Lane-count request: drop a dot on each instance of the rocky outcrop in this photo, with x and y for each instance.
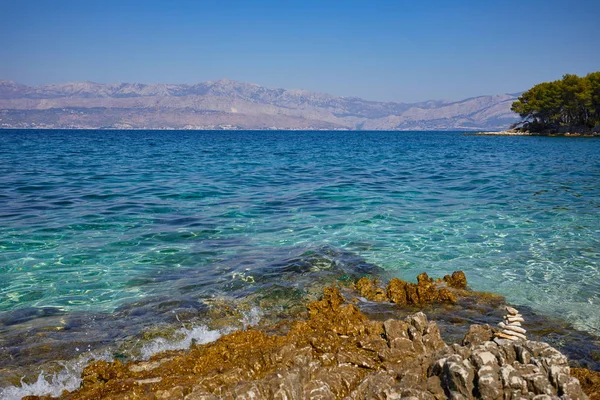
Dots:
(339, 353)
(425, 291)
(503, 369)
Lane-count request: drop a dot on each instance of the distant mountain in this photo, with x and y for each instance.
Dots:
(226, 104)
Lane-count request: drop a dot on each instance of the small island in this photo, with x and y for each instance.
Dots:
(566, 107)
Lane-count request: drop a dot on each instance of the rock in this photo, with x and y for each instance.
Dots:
(483, 358)
(488, 383)
(477, 334)
(147, 365)
(511, 379)
(200, 394)
(369, 288)
(512, 333)
(247, 391)
(396, 291)
(288, 386)
(511, 311)
(148, 381)
(318, 390)
(590, 381)
(424, 292)
(397, 393)
(523, 355)
(559, 377)
(173, 393)
(395, 329)
(434, 386)
(457, 376)
(432, 339)
(373, 386)
(538, 383)
(516, 329)
(419, 321)
(458, 280)
(511, 326)
(504, 335)
(338, 353)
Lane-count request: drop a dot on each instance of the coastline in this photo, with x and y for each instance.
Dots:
(360, 340)
(496, 225)
(516, 132)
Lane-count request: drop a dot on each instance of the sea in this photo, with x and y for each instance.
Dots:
(109, 239)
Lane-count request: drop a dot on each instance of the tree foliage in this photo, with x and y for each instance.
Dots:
(572, 102)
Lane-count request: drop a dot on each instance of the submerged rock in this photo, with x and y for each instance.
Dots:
(336, 352)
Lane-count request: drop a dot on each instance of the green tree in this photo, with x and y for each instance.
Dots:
(593, 81)
(571, 102)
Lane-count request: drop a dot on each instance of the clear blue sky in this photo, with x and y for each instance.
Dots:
(381, 50)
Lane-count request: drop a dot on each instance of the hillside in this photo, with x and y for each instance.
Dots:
(227, 104)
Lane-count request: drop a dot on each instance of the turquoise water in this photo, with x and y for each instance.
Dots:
(92, 222)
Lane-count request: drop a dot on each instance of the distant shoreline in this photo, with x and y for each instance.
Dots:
(514, 132)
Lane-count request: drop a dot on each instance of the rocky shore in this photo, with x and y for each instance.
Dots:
(518, 132)
(334, 351)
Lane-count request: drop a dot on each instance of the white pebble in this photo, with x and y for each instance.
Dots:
(512, 311)
(512, 323)
(512, 333)
(515, 329)
(515, 319)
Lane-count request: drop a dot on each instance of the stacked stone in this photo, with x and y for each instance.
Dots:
(511, 326)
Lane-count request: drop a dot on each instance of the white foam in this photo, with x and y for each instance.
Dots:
(199, 334)
(252, 317)
(68, 378)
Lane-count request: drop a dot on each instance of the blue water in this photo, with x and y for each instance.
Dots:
(91, 221)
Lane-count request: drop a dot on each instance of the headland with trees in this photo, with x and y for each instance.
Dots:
(568, 106)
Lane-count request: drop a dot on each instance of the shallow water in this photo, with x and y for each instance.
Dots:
(136, 227)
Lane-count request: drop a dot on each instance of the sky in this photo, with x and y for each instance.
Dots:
(393, 50)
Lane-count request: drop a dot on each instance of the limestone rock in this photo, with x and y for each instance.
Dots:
(477, 334)
(338, 353)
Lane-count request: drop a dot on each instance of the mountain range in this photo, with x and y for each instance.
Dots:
(227, 104)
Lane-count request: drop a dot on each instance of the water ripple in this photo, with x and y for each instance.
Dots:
(90, 220)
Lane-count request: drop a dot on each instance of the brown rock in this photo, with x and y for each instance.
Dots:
(396, 291)
(589, 380)
(477, 334)
(318, 390)
(200, 394)
(369, 288)
(432, 339)
(340, 379)
(424, 292)
(174, 393)
(457, 376)
(374, 386)
(424, 280)
(434, 386)
(336, 353)
(458, 280)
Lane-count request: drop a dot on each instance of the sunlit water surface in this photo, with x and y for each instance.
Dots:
(94, 221)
